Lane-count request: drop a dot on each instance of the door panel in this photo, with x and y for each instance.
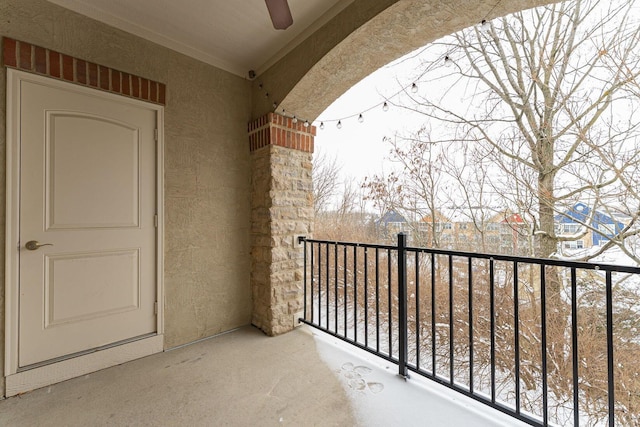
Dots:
(87, 186)
(106, 283)
(109, 160)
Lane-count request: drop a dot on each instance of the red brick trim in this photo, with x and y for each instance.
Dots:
(27, 57)
(274, 129)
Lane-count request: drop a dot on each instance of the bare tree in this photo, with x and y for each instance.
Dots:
(326, 180)
(548, 98)
(540, 112)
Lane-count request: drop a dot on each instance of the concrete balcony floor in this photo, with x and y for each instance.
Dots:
(243, 378)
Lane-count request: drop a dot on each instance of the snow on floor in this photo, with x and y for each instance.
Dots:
(380, 397)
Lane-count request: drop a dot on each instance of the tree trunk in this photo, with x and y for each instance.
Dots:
(547, 240)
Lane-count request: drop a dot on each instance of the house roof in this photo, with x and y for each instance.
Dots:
(580, 212)
(391, 216)
(436, 217)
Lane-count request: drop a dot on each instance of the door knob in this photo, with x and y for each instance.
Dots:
(33, 245)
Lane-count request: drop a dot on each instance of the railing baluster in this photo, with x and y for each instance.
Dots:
(610, 374)
(335, 285)
(516, 333)
(417, 300)
(451, 320)
(328, 281)
(319, 284)
(377, 300)
(543, 332)
(389, 300)
(402, 306)
(433, 314)
(492, 314)
(366, 299)
(312, 282)
(574, 348)
(344, 289)
(355, 293)
(304, 278)
(470, 279)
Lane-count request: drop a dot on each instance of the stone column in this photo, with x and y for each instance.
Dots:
(281, 210)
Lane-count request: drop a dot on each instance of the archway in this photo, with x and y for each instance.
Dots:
(364, 37)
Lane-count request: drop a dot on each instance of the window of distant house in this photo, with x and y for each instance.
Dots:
(606, 228)
(443, 226)
(492, 227)
(571, 228)
(462, 226)
(574, 244)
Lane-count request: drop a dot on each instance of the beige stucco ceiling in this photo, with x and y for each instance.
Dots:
(235, 35)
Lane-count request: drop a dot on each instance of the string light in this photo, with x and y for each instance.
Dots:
(448, 62)
(485, 27)
(359, 116)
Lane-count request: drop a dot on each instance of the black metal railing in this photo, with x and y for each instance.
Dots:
(545, 341)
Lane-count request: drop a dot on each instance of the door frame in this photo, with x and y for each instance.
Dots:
(18, 381)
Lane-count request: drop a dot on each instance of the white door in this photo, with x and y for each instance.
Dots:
(87, 191)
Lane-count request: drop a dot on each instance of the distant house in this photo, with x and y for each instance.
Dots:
(437, 230)
(391, 223)
(571, 223)
(513, 232)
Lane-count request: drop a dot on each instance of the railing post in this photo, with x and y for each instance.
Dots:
(302, 241)
(403, 348)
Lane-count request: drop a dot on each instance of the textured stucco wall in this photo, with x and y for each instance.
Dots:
(207, 166)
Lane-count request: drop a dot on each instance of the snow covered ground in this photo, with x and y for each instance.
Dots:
(381, 398)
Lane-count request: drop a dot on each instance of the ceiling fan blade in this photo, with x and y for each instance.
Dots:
(280, 14)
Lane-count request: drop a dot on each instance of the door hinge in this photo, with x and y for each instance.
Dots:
(155, 220)
(155, 308)
(155, 135)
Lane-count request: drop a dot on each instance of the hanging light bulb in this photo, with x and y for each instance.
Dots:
(414, 88)
(321, 125)
(275, 105)
(360, 118)
(306, 123)
(339, 125)
(448, 62)
(266, 95)
(385, 107)
(295, 119)
(485, 26)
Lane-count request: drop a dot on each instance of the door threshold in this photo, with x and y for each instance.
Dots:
(81, 364)
(84, 352)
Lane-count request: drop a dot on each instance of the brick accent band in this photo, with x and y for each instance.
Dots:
(28, 57)
(275, 129)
